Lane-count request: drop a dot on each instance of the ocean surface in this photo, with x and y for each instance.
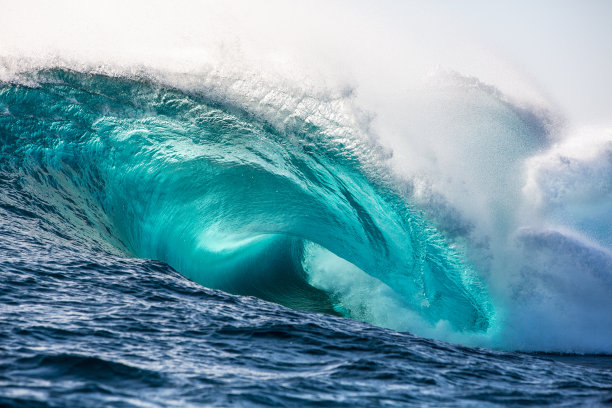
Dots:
(162, 245)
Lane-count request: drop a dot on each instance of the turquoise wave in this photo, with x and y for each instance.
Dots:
(226, 198)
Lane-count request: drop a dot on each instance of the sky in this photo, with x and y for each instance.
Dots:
(560, 50)
(564, 46)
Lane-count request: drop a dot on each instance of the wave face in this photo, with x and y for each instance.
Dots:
(292, 215)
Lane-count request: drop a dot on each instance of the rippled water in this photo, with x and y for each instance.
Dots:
(88, 329)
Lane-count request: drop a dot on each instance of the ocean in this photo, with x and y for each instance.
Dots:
(169, 245)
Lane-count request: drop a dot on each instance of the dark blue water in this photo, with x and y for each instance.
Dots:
(83, 329)
(99, 174)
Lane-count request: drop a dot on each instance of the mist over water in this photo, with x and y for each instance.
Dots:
(461, 161)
